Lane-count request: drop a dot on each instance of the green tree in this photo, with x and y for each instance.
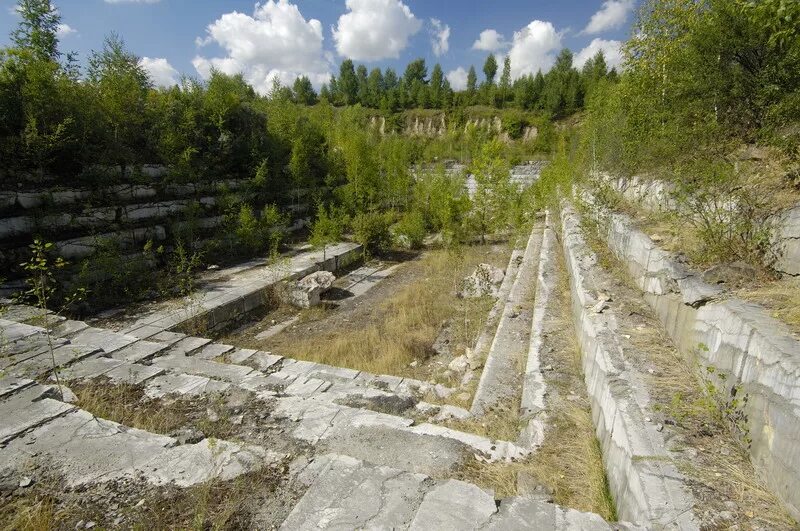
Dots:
(37, 31)
(472, 85)
(494, 191)
(327, 229)
(303, 91)
(437, 87)
(504, 89)
(490, 69)
(348, 82)
(121, 85)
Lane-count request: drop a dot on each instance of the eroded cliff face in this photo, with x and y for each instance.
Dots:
(438, 125)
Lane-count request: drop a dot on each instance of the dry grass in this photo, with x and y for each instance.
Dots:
(404, 327)
(213, 505)
(569, 463)
(703, 421)
(128, 405)
(780, 297)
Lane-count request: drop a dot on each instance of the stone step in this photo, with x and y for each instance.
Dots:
(347, 493)
(532, 402)
(86, 450)
(42, 363)
(25, 410)
(183, 385)
(212, 351)
(201, 367)
(11, 384)
(106, 340)
(386, 439)
(118, 371)
(500, 380)
(12, 331)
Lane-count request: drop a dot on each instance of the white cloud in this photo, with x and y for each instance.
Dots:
(457, 78)
(612, 15)
(533, 48)
(132, 1)
(612, 50)
(374, 29)
(440, 37)
(275, 42)
(65, 30)
(490, 41)
(161, 72)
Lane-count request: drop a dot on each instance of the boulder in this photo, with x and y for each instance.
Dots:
(459, 364)
(306, 292)
(485, 280)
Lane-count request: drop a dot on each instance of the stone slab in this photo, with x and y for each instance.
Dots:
(454, 505)
(346, 493)
(183, 384)
(200, 367)
(12, 384)
(212, 351)
(103, 339)
(23, 411)
(89, 450)
(140, 351)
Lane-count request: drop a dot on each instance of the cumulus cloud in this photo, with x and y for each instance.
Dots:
(276, 42)
(612, 50)
(534, 48)
(161, 72)
(64, 30)
(490, 41)
(440, 37)
(612, 15)
(457, 78)
(372, 30)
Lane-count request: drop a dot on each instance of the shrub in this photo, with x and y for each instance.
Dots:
(410, 231)
(372, 231)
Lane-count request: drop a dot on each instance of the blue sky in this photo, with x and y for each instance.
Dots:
(286, 38)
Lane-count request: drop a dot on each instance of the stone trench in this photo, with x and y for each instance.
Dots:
(360, 450)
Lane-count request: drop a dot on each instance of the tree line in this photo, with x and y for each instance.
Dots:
(560, 92)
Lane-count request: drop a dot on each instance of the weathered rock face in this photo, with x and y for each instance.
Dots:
(485, 280)
(306, 292)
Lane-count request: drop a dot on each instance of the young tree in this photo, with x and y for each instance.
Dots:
(490, 69)
(363, 88)
(348, 82)
(37, 31)
(437, 87)
(327, 229)
(304, 91)
(472, 85)
(122, 85)
(494, 190)
(505, 82)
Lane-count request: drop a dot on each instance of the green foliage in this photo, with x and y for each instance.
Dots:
(371, 229)
(259, 233)
(328, 227)
(110, 276)
(410, 230)
(37, 31)
(493, 194)
(182, 267)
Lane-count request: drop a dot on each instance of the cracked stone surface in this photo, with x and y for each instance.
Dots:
(347, 493)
